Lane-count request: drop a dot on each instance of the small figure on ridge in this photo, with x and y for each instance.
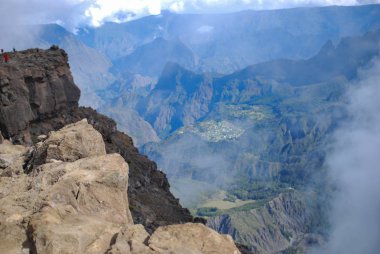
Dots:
(6, 57)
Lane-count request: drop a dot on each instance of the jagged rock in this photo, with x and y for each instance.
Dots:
(16, 206)
(33, 86)
(132, 239)
(39, 97)
(81, 206)
(41, 138)
(64, 207)
(73, 142)
(85, 208)
(191, 238)
(12, 158)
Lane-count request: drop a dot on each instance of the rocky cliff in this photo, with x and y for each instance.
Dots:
(38, 95)
(66, 195)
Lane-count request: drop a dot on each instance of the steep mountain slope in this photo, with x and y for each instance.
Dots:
(221, 43)
(272, 228)
(38, 95)
(185, 97)
(330, 62)
(150, 58)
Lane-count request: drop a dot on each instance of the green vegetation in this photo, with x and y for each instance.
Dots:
(224, 203)
(291, 251)
(257, 190)
(207, 211)
(249, 206)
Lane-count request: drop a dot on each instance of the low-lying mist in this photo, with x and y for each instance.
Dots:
(354, 169)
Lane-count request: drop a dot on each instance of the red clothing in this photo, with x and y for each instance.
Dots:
(6, 57)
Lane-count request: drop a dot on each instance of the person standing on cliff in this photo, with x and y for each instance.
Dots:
(6, 57)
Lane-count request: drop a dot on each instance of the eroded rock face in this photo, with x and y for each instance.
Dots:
(30, 90)
(72, 142)
(80, 204)
(191, 238)
(65, 207)
(132, 239)
(37, 96)
(12, 158)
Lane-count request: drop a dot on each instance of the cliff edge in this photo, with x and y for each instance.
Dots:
(38, 95)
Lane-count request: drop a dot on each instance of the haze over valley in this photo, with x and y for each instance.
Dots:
(264, 121)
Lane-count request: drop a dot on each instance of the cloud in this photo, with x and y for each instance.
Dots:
(109, 10)
(74, 13)
(355, 169)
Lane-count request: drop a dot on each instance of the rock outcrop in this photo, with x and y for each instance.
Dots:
(66, 145)
(191, 238)
(78, 203)
(38, 95)
(36, 84)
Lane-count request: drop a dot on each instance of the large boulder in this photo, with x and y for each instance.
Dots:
(132, 240)
(71, 206)
(191, 238)
(84, 205)
(72, 142)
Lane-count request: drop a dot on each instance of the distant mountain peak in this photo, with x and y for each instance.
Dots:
(327, 48)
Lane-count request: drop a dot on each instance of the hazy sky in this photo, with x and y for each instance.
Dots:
(72, 13)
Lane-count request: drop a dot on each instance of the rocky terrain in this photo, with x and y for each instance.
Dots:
(38, 95)
(67, 195)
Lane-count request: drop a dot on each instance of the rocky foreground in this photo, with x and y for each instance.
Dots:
(67, 195)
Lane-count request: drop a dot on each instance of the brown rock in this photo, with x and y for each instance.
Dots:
(33, 87)
(37, 95)
(72, 142)
(12, 158)
(132, 239)
(16, 206)
(64, 207)
(191, 238)
(82, 207)
(85, 204)
(187, 238)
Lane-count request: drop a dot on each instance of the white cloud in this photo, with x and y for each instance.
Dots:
(109, 10)
(72, 13)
